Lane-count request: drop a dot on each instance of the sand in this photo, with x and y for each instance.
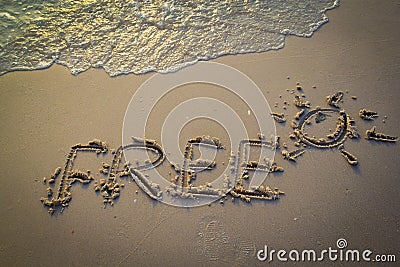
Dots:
(44, 113)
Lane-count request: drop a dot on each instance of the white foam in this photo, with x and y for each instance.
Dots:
(162, 36)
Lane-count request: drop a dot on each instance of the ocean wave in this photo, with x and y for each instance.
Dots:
(141, 36)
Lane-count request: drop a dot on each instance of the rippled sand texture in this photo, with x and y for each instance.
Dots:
(137, 37)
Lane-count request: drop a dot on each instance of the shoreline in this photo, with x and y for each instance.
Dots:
(44, 112)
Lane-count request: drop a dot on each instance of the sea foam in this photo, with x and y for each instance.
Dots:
(137, 37)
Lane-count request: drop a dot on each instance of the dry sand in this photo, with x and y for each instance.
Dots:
(44, 112)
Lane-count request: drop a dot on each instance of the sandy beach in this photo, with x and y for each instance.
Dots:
(45, 112)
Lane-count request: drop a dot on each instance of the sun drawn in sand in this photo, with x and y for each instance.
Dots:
(307, 118)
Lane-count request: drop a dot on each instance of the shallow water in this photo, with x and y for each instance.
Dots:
(137, 37)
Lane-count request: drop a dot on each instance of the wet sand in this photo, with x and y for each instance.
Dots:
(44, 112)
